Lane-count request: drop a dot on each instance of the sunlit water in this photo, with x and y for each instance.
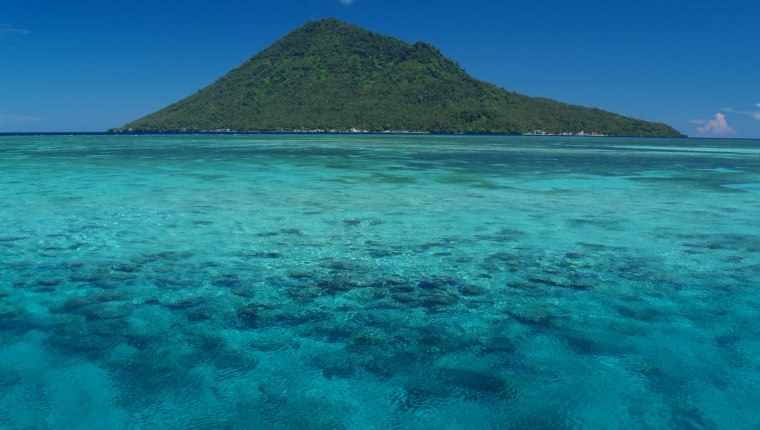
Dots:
(322, 281)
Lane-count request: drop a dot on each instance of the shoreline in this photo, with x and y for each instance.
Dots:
(333, 132)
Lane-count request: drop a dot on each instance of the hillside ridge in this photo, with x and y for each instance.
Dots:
(328, 75)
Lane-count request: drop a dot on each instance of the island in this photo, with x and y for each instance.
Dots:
(332, 76)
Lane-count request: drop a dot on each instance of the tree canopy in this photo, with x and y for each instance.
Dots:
(329, 75)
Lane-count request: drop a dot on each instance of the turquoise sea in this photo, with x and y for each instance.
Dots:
(378, 281)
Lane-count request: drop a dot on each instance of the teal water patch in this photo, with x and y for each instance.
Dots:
(321, 281)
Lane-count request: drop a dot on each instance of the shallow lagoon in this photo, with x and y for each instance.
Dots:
(352, 281)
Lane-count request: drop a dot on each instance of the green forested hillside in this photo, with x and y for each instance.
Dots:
(330, 75)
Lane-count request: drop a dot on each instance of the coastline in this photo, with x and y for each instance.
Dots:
(328, 132)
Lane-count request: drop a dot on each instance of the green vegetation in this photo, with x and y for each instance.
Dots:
(329, 75)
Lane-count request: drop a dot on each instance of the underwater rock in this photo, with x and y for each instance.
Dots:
(544, 280)
(75, 264)
(165, 269)
(499, 345)
(250, 314)
(90, 346)
(93, 308)
(152, 301)
(507, 261)
(430, 285)
(473, 380)
(471, 290)
(110, 296)
(302, 293)
(336, 285)
(10, 322)
(103, 279)
(503, 235)
(110, 327)
(598, 247)
(72, 305)
(7, 312)
(121, 277)
(401, 290)
(734, 259)
(262, 254)
(524, 287)
(403, 287)
(364, 340)
(186, 303)
(165, 256)
(171, 283)
(352, 221)
(579, 343)
(534, 318)
(334, 365)
(207, 343)
(380, 253)
(247, 291)
(238, 361)
(48, 282)
(199, 314)
(339, 266)
(647, 314)
(12, 238)
(299, 274)
(727, 341)
(404, 298)
(558, 283)
(430, 340)
(104, 311)
(125, 267)
(296, 318)
(383, 364)
(152, 373)
(390, 281)
(437, 300)
(501, 256)
(227, 281)
(330, 332)
(215, 350)
(437, 282)
(86, 277)
(377, 293)
(267, 234)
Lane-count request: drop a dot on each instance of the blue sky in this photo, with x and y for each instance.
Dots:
(92, 65)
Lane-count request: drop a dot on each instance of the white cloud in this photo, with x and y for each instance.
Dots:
(9, 29)
(346, 2)
(716, 127)
(755, 115)
(16, 118)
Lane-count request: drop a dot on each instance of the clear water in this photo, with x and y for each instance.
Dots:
(321, 281)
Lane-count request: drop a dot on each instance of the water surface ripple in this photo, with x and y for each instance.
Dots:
(351, 281)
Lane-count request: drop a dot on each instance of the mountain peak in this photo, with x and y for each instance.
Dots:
(327, 22)
(328, 26)
(331, 75)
